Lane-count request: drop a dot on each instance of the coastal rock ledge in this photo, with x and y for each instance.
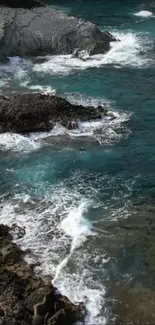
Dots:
(26, 299)
(42, 30)
(38, 112)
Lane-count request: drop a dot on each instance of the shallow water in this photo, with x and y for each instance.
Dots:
(64, 197)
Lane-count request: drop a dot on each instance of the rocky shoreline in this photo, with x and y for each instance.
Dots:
(25, 298)
(37, 112)
(31, 29)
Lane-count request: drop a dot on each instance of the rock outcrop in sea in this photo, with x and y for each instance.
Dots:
(43, 30)
(26, 299)
(39, 112)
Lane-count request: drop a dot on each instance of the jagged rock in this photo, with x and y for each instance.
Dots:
(42, 31)
(37, 112)
(25, 298)
(63, 316)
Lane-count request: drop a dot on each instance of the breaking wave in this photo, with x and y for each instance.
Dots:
(57, 228)
(126, 52)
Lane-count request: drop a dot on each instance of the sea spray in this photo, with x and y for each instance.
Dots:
(79, 229)
(125, 52)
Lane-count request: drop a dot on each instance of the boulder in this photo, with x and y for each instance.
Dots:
(38, 112)
(43, 30)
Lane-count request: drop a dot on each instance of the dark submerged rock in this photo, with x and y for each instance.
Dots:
(38, 112)
(41, 31)
(26, 299)
(131, 246)
(135, 304)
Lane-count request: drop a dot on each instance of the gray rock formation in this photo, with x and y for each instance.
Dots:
(42, 31)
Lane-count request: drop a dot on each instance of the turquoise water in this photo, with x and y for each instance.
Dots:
(66, 197)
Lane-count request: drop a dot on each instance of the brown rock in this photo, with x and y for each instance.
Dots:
(24, 297)
(64, 316)
(38, 112)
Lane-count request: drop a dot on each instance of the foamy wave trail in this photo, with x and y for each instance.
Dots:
(20, 70)
(17, 143)
(85, 100)
(144, 13)
(75, 286)
(57, 228)
(58, 243)
(126, 52)
(38, 88)
(17, 67)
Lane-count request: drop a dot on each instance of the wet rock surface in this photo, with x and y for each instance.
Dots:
(43, 30)
(37, 112)
(26, 299)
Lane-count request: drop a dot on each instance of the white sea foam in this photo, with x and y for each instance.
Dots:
(127, 52)
(60, 235)
(38, 88)
(78, 286)
(144, 13)
(106, 130)
(85, 100)
(16, 66)
(75, 225)
(56, 230)
(17, 142)
(43, 89)
(130, 51)
(21, 70)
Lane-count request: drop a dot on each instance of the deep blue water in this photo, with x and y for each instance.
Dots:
(46, 186)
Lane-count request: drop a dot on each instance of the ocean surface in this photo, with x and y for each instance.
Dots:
(71, 202)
